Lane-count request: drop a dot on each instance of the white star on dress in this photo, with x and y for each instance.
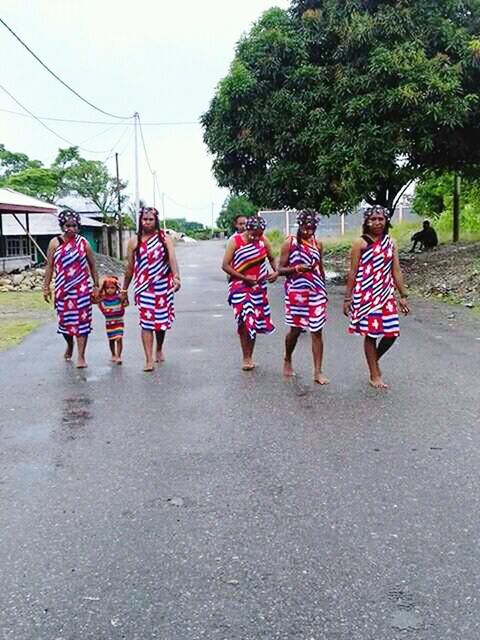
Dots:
(375, 324)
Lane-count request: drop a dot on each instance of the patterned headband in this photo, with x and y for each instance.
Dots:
(376, 209)
(307, 217)
(144, 210)
(68, 214)
(255, 223)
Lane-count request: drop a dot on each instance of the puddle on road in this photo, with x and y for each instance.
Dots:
(76, 414)
(32, 472)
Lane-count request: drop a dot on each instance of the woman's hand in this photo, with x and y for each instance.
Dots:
(303, 268)
(404, 306)
(95, 295)
(177, 283)
(272, 276)
(346, 307)
(250, 282)
(124, 297)
(47, 294)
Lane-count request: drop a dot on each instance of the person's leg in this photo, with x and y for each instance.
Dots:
(147, 342)
(370, 347)
(248, 346)
(111, 344)
(291, 340)
(317, 351)
(160, 337)
(69, 350)
(384, 345)
(119, 344)
(81, 347)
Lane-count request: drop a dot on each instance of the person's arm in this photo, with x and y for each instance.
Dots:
(47, 294)
(227, 265)
(172, 259)
(321, 250)
(283, 268)
(399, 283)
(355, 256)
(127, 278)
(273, 275)
(93, 268)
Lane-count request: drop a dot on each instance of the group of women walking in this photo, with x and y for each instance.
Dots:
(370, 301)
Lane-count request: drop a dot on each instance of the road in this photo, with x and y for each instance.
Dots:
(204, 502)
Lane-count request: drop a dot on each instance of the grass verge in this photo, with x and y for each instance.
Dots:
(21, 312)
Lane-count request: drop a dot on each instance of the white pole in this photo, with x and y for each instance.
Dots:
(154, 177)
(342, 224)
(163, 213)
(287, 222)
(213, 214)
(137, 186)
(400, 212)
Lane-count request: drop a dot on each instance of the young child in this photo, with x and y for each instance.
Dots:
(113, 309)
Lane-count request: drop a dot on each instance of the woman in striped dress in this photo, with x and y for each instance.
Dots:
(370, 302)
(245, 262)
(305, 292)
(153, 266)
(71, 261)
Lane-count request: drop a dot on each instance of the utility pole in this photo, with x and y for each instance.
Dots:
(119, 212)
(154, 178)
(456, 207)
(163, 213)
(137, 186)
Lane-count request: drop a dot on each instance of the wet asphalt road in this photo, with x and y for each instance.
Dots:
(203, 502)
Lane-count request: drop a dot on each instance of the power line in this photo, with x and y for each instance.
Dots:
(185, 206)
(67, 86)
(55, 133)
(144, 145)
(115, 124)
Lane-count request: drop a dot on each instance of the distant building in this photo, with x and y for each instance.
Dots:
(20, 214)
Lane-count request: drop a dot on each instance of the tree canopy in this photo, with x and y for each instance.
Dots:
(234, 205)
(335, 101)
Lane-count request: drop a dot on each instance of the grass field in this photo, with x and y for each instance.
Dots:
(20, 313)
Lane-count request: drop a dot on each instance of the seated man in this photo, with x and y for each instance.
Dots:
(427, 238)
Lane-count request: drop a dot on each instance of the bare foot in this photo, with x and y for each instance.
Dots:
(160, 357)
(81, 363)
(148, 367)
(319, 378)
(114, 359)
(377, 383)
(288, 369)
(248, 365)
(119, 360)
(68, 353)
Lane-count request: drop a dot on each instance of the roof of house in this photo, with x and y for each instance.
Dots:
(15, 202)
(79, 204)
(43, 224)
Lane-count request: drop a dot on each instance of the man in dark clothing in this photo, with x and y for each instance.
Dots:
(427, 238)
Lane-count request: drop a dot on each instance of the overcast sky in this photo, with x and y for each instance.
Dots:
(158, 57)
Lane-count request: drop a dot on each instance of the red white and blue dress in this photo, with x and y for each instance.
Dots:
(153, 284)
(73, 287)
(373, 310)
(305, 293)
(250, 304)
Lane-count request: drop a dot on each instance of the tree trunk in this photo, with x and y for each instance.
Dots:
(456, 207)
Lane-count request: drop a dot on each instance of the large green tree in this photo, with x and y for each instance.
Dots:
(234, 205)
(336, 101)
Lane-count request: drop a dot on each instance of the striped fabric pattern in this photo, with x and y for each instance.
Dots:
(250, 304)
(114, 312)
(305, 293)
(73, 287)
(153, 284)
(373, 311)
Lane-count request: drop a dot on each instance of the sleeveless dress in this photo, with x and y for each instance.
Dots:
(73, 287)
(373, 310)
(305, 293)
(250, 304)
(114, 312)
(153, 284)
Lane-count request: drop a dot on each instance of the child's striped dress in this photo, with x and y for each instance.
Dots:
(114, 313)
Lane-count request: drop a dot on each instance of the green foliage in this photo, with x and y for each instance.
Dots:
(234, 205)
(182, 225)
(337, 101)
(276, 239)
(12, 163)
(38, 182)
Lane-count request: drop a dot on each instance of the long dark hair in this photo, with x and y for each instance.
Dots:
(143, 211)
